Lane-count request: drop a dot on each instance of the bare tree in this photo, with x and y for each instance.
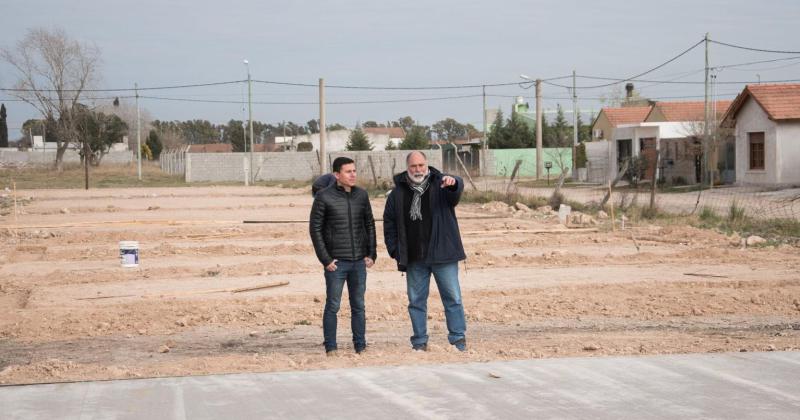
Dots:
(718, 135)
(54, 71)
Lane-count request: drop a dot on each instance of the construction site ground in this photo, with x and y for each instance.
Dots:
(196, 304)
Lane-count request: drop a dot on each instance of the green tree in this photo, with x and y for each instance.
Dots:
(3, 126)
(234, 135)
(358, 141)
(313, 126)
(305, 146)
(517, 133)
(406, 123)
(584, 130)
(449, 129)
(154, 143)
(561, 133)
(99, 132)
(391, 146)
(496, 133)
(200, 132)
(415, 139)
(371, 124)
(336, 127)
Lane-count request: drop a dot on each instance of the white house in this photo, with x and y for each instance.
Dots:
(766, 123)
(673, 129)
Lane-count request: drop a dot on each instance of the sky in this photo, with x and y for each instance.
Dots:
(410, 43)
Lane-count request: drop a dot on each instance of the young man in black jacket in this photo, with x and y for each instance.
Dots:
(342, 230)
(421, 233)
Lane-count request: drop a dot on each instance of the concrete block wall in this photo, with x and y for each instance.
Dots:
(211, 167)
(10, 155)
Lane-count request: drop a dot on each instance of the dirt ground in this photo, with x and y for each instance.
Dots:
(532, 288)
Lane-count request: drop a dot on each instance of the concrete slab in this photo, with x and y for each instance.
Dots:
(707, 386)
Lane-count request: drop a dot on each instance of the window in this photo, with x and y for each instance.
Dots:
(756, 143)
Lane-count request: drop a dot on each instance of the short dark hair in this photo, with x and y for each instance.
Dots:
(408, 156)
(341, 161)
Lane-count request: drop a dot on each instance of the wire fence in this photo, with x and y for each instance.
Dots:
(755, 202)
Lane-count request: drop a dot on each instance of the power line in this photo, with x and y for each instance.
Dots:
(684, 52)
(443, 87)
(124, 89)
(753, 49)
(677, 82)
(725, 66)
(443, 98)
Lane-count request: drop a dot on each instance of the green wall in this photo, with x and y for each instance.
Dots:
(505, 159)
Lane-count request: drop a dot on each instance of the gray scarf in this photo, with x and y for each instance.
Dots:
(419, 189)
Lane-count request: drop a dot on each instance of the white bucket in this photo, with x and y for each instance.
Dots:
(129, 253)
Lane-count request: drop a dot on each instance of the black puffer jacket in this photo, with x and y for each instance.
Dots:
(341, 225)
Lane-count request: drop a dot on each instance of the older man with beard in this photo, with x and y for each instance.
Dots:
(421, 233)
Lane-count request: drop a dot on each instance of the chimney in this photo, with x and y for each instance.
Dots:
(628, 91)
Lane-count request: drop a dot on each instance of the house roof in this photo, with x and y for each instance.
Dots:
(779, 101)
(687, 111)
(392, 132)
(626, 114)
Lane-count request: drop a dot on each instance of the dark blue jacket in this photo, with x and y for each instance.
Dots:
(324, 181)
(445, 240)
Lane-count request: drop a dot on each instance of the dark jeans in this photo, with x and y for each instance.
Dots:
(354, 273)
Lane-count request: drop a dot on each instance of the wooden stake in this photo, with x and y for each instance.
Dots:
(14, 183)
(372, 166)
(611, 203)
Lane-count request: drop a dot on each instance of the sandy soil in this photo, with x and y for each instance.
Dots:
(532, 289)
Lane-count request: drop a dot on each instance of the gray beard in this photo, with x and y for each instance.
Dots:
(418, 179)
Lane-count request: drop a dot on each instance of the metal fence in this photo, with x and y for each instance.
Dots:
(173, 161)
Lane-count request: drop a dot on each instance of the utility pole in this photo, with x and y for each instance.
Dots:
(485, 154)
(574, 127)
(250, 120)
(705, 177)
(323, 158)
(138, 135)
(539, 166)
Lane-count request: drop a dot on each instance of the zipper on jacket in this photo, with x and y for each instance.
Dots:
(350, 225)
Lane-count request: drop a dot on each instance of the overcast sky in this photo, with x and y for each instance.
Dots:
(403, 43)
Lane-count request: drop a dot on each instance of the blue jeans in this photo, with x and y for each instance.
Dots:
(354, 273)
(418, 285)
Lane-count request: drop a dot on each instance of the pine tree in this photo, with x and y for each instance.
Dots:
(358, 141)
(415, 139)
(3, 126)
(495, 137)
(154, 143)
(561, 131)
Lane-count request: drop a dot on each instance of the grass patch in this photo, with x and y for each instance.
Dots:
(542, 183)
(776, 231)
(482, 197)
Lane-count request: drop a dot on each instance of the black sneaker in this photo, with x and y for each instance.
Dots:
(361, 350)
(461, 345)
(420, 347)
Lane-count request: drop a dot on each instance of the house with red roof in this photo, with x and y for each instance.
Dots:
(665, 137)
(765, 119)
